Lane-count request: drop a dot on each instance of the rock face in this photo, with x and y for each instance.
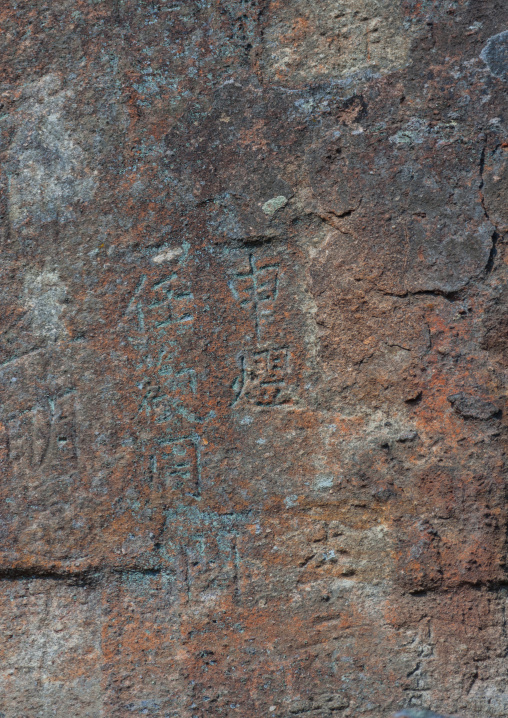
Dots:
(253, 358)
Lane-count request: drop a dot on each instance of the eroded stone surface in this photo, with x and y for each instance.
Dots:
(253, 359)
(307, 42)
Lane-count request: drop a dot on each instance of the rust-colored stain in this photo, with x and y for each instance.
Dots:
(253, 346)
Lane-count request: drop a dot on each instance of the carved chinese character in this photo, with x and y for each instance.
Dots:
(263, 377)
(177, 465)
(44, 437)
(166, 303)
(171, 303)
(256, 287)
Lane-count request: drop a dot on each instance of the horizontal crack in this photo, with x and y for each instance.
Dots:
(451, 296)
(85, 577)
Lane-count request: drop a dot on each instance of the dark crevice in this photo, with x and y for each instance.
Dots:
(256, 240)
(495, 236)
(87, 577)
(348, 212)
(452, 296)
(482, 164)
(444, 590)
(493, 253)
(262, 11)
(331, 217)
(305, 561)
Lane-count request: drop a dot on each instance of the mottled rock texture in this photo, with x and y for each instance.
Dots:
(253, 358)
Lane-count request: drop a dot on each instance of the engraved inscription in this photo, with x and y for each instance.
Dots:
(171, 303)
(159, 313)
(44, 437)
(167, 302)
(211, 565)
(160, 320)
(263, 377)
(165, 401)
(178, 466)
(256, 287)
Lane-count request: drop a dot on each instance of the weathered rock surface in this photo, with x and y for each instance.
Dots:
(253, 358)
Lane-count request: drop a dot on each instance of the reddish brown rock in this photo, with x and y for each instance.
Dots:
(253, 358)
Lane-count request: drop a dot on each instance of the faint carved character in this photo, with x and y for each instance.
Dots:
(154, 308)
(256, 288)
(240, 383)
(178, 465)
(269, 373)
(44, 437)
(172, 303)
(165, 365)
(182, 381)
(157, 405)
(263, 377)
(211, 563)
(134, 309)
(167, 303)
(185, 381)
(166, 400)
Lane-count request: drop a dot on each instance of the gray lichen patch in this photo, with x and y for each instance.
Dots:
(168, 255)
(44, 294)
(495, 187)
(305, 41)
(495, 55)
(274, 204)
(46, 165)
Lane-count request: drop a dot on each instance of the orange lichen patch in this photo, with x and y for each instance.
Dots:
(300, 27)
(253, 137)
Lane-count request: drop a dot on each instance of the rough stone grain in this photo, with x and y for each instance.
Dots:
(253, 358)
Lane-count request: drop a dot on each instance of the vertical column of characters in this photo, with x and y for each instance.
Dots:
(264, 367)
(162, 316)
